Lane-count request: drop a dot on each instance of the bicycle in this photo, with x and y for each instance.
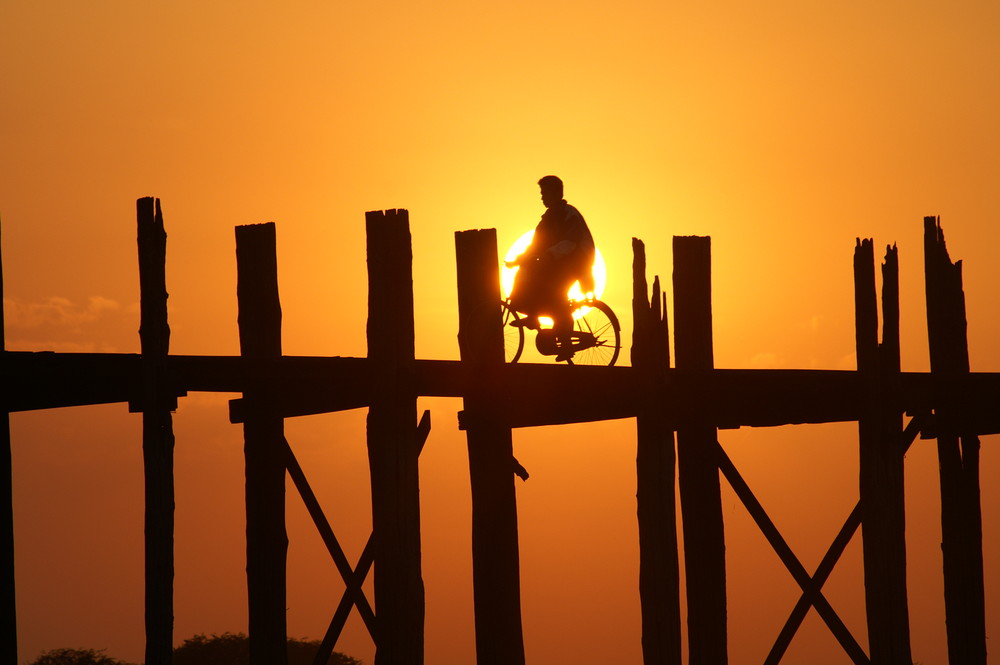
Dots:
(595, 340)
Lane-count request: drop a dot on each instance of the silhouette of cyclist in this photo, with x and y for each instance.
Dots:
(560, 254)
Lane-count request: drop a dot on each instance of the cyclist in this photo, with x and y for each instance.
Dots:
(560, 254)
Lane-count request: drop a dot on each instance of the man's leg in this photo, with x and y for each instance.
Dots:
(562, 317)
(523, 295)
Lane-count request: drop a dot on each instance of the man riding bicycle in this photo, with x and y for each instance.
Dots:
(560, 254)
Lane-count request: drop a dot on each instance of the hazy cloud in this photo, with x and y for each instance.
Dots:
(763, 360)
(96, 325)
(59, 346)
(812, 324)
(56, 311)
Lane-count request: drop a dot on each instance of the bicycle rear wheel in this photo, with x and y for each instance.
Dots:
(597, 336)
(513, 336)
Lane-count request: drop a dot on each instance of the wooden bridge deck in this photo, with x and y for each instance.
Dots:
(525, 395)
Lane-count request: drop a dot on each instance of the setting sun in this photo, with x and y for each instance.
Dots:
(599, 271)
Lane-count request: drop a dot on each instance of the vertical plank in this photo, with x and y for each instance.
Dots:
(263, 435)
(8, 604)
(655, 462)
(892, 448)
(958, 455)
(866, 350)
(157, 432)
(392, 442)
(881, 448)
(495, 563)
(698, 472)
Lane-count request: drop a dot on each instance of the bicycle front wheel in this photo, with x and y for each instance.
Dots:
(598, 336)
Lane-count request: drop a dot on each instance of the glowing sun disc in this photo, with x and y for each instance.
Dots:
(575, 293)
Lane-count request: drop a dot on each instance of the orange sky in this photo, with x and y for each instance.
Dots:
(782, 130)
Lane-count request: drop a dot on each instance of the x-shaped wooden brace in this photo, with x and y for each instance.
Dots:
(812, 595)
(353, 596)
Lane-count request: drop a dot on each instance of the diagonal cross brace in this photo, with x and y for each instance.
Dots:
(353, 577)
(787, 557)
(329, 538)
(830, 559)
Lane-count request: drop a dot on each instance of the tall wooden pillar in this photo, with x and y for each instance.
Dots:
(655, 462)
(8, 604)
(157, 401)
(958, 455)
(495, 564)
(881, 448)
(698, 470)
(393, 445)
(263, 435)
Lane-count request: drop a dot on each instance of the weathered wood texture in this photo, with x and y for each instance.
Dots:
(157, 401)
(392, 442)
(263, 435)
(655, 463)
(495, 564)
(880, 431)
(958, 454)
(8, 604)
(698, 472)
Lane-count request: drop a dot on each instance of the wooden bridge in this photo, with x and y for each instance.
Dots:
(678, 406)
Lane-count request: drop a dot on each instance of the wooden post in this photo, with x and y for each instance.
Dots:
(392, 442)
(655, 462)
(958, 455)
(157, 432)
(881, 448)
(8, 604)
(698, 472)
(263, 435)
(495, 565)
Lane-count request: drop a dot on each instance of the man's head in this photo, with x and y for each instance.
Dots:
(552, 190)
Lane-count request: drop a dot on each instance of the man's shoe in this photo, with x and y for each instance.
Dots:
(563, 355)
(529, 322)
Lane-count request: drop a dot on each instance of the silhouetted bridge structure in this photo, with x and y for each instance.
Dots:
(689, 401)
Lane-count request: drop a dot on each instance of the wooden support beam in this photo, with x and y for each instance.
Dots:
(353, 593)
(880, 428)
(47, 380)
(495, 560)
(157, 401)
(360, 572)
(263, 434)
(825, 568)
(655, 463)
(308, 385)
(701, 500)
(958, 455)
(792, 563)
(534, 395)
(392, 443)
(8, 604)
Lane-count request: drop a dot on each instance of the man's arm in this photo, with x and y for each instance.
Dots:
(532, 251)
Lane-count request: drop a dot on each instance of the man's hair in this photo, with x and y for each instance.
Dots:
(552, 183)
